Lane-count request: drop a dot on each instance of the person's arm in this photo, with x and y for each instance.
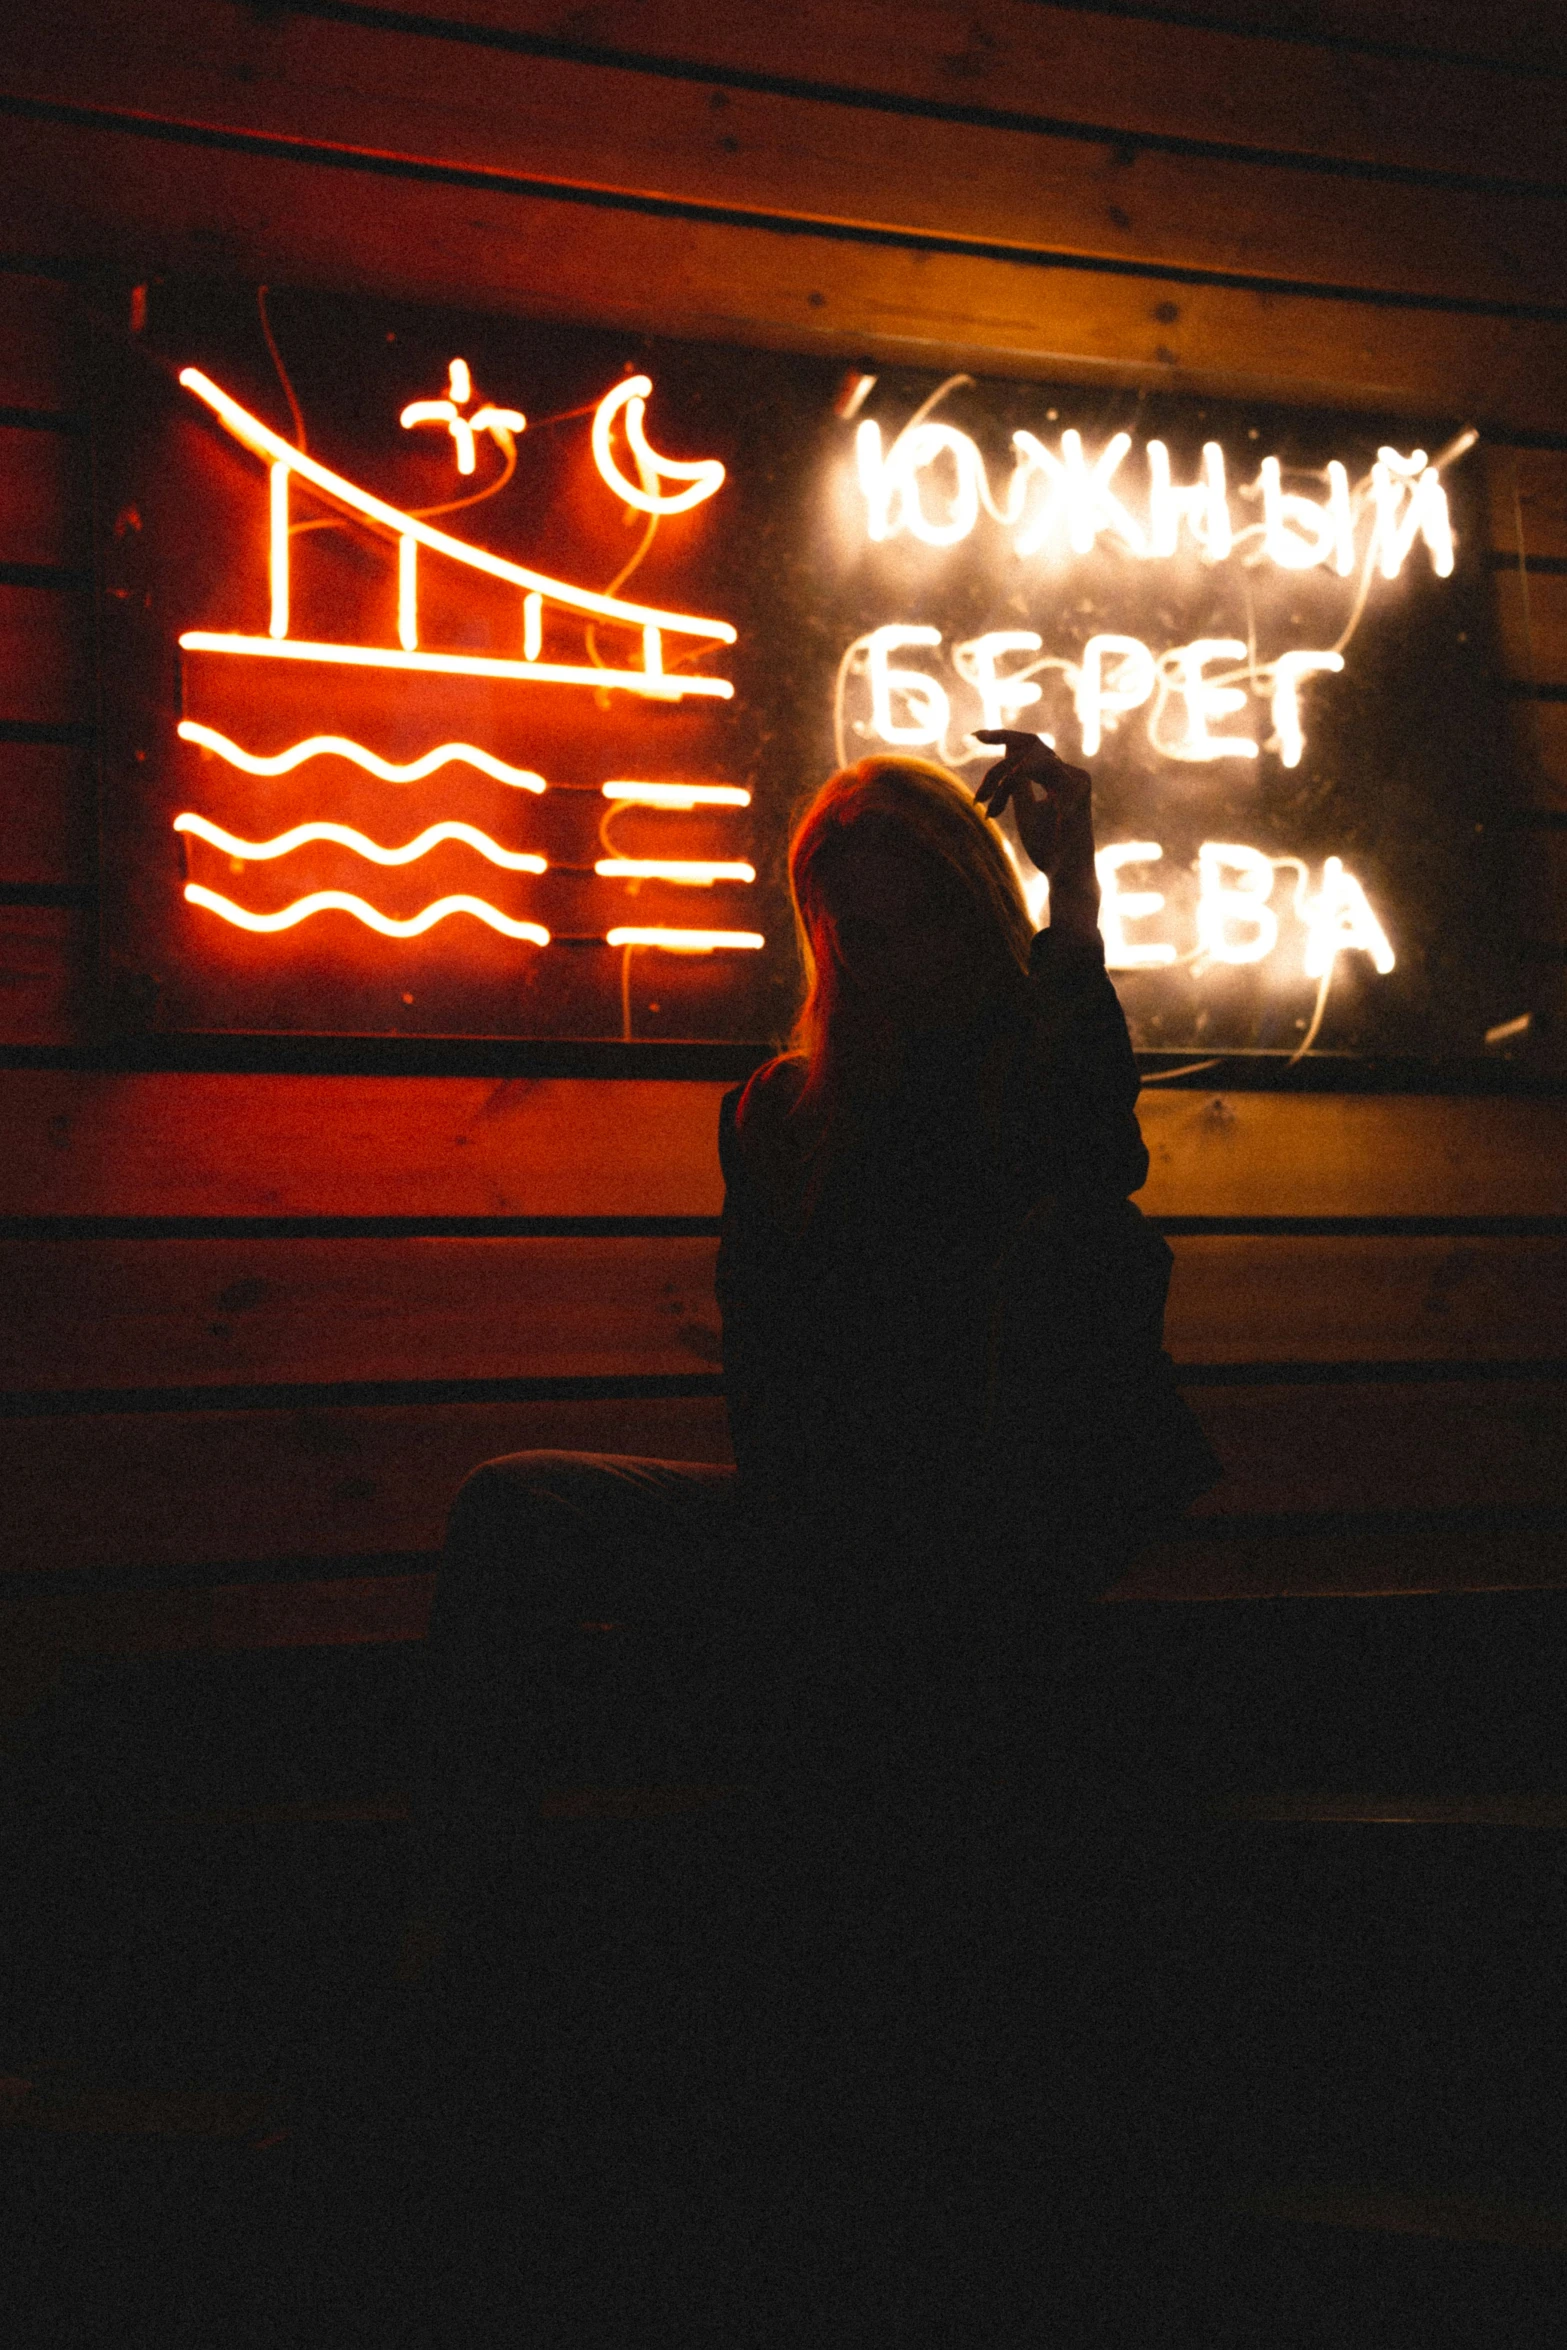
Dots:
(1084, 1079)
(1052, 805)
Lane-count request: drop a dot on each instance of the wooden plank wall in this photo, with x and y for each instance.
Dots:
(257, 1327)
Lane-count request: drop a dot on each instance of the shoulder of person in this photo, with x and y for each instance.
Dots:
(753, 1117)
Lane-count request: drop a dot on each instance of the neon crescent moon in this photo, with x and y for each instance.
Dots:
(704, 475)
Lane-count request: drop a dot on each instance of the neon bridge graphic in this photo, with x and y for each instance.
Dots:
(415, 538)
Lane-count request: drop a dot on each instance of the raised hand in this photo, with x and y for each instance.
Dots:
(1052, 806)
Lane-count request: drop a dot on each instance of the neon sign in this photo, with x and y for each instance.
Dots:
(1062, 498)
(1186, 721)
(701, 479)
(502, 424)
(533, 776)
(286, 464)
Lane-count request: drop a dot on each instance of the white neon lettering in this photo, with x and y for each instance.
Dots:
(1299, 532)
(1117, 907)
(1203, 506)
(1091, 505)
(258, 851)
(337, 746)
(327, 901)
(658, 687)
(1340, 916)
(1410, 503)
(1001, 698)
(1205, 700)
(699, 874)
(1288, 670)
(1242, 901)
(928, 706)
(702, 477)
(277, 547)
(1098, 700)
(897, 476)
(678, 795)
(685, 942)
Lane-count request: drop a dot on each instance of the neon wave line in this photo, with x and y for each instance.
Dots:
(685, 942)
(698, 873)
(654, 683)
(256, 851)
(338, 746)
(678, 795)
(324, 901)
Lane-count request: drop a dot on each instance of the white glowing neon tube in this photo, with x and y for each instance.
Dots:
(271, 446)
(685, 942)
(1001, 697)
(1206, 699)
(695, 871)
(1203, 506)
(678, 795)
(338, 746)
(1410, 503)
(1288, 670)
(258, 851)
(1096, 700)
(929, 709)
(1118, 906)
(1234, 885)
(658, 687)
(326, 901)
(1340, 916)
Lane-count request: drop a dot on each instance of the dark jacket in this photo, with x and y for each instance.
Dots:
(963, 1340)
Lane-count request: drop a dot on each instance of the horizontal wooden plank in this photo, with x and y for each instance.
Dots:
(145, 204)
(1358, 1563)
(1542, 897)
(37, 343)
(351, 1610)
(286, 1146)
(45, 672)
(155, 1491)
(44, 960)
(182, 1313)
(1516, 32)
(168, 1491)
(1531, 609)
(42, 497)
(1539, 737)
(1385, 1446)
(47, 813)
(93, 1145)
(1182, 80)
(1261, 1154)
(340, 1612)
(1286, 1299)
(604, 128)
(1526, 496)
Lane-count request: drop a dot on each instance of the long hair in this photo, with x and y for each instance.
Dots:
(921, 809)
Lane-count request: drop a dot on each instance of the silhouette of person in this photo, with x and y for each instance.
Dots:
(953, 1420)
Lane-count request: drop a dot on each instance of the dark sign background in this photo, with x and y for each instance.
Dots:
(1402, 776)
